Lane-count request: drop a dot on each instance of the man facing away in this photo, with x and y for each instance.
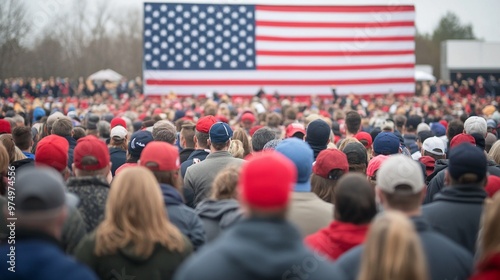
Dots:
(265, 245)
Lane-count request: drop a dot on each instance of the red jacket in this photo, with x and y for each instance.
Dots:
(488, 269)
(429, 163)
(337, 238)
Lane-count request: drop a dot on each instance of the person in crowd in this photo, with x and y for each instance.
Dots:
(261, 137)
(454, 128)
(273, 121)
(347, 141)
(373, 167)
(63, 127)
(264, 245)
(41, 211)
(296, 130)
(236, 149)
(357, 157)
(91, 125)
(494, 153)
(355, 207)
(489, 141)
(488, 260)
(410, 133)
(400, 123)
(366, 139)
(199, 177)
(393, 250)
(118, 147)
(137, 142)
(163, 160)
(221, 209)
(456, 210)
(202, 147)
(186, 139)
(91, 167)
(136, 240)
(433, 149)
(307, 211)
(5, 127)
(318, 136)
(78, 132)
(164, 131)
(330, 166)
(104, 130)
(24, 141)
(117, 121)
(352, 123)
(8, 142)
(247, 121)
(421, 137)
(386, 143)
(242, 136)
(401, 187)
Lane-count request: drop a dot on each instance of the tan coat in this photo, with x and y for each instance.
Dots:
(309, 213)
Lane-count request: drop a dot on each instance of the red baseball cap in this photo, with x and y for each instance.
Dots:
(444, 123)
(52, 151)
(254, 129)
(118, 121)
(94, 147)
(164, 155)
(203, 125)
(5, 126)
(493, 185)
(329, 160)
(293, 128)
(266, 180)
(248, 117)
(375, 164)
(462, 138)
(366, 137)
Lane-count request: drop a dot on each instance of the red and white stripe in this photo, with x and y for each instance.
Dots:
(303, 50)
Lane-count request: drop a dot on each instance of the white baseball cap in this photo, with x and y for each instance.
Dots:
(475, 124)
(434, 145)
(119, 131)
(400, 170)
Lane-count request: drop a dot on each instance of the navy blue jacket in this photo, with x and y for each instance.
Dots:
(182, 216)
(117, 157)
(72, 145)
(456, 213)
(445, 259)
(410, 141)
(195, 157)
(258, 249)
(39, 256)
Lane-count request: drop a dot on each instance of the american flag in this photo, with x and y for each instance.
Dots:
(294, 50)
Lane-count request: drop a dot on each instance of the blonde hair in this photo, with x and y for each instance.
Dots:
(494, 153)
(489, 239)
(240, 134)
(4, 159)
(236, 149)
(224, 185)
(135, 214)
(10, 146)
(347, 141)
(19, 154)
(393, 250)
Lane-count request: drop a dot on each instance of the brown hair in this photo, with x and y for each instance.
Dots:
(22, 137)
(225, 183)
(240, 134)
(135, 214)
(494, 153)
(393, 250)
(10, 146)
(352, 122)
(325, 188)
(489, 239)
(117, 142)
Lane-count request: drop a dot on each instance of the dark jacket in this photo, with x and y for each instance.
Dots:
(217, 215)
(456, 213)
(72, 145)
(195, 157)
(445, 259)
(182, 216)
(38, 256)
(93, 193)
(117, 157)
(257, 249)
(436, 183)
(125, 264)
(410, 141)
(185, 153)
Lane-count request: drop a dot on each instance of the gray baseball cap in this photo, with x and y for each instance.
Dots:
(41, 189)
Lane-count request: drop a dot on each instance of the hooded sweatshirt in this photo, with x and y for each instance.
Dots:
(429, 163)
(217, 215)
(257, 248)
(182, 216)
(337, 238)
(126, 264)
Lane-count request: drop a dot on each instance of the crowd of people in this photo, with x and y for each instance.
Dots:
(105, 183)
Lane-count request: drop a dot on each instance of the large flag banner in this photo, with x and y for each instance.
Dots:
(292, 50)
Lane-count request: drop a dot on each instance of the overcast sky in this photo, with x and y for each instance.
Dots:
(483, 14)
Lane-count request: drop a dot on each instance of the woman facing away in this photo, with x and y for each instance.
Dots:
(393, 250)
(135, 239)
(488, 265)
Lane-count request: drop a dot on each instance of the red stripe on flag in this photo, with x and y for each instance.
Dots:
(336, 9)
(278, 82)
(334, 24)
(333, 39)
(332, 53)
(338, 67)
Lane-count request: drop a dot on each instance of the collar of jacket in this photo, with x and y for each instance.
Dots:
(170, 195)
(469, 193)
(219, 154)
(410, 136)
(198, 152)
(87, 181)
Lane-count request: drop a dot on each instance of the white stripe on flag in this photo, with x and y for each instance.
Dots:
(335, 60)
(362, 45)
(362, 33)
(380, 17)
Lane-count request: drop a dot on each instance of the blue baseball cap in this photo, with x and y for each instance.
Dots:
(220, 132)
(438, 129)
(138, 142)
(386, 143)
(467, 158)
(302, 156)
